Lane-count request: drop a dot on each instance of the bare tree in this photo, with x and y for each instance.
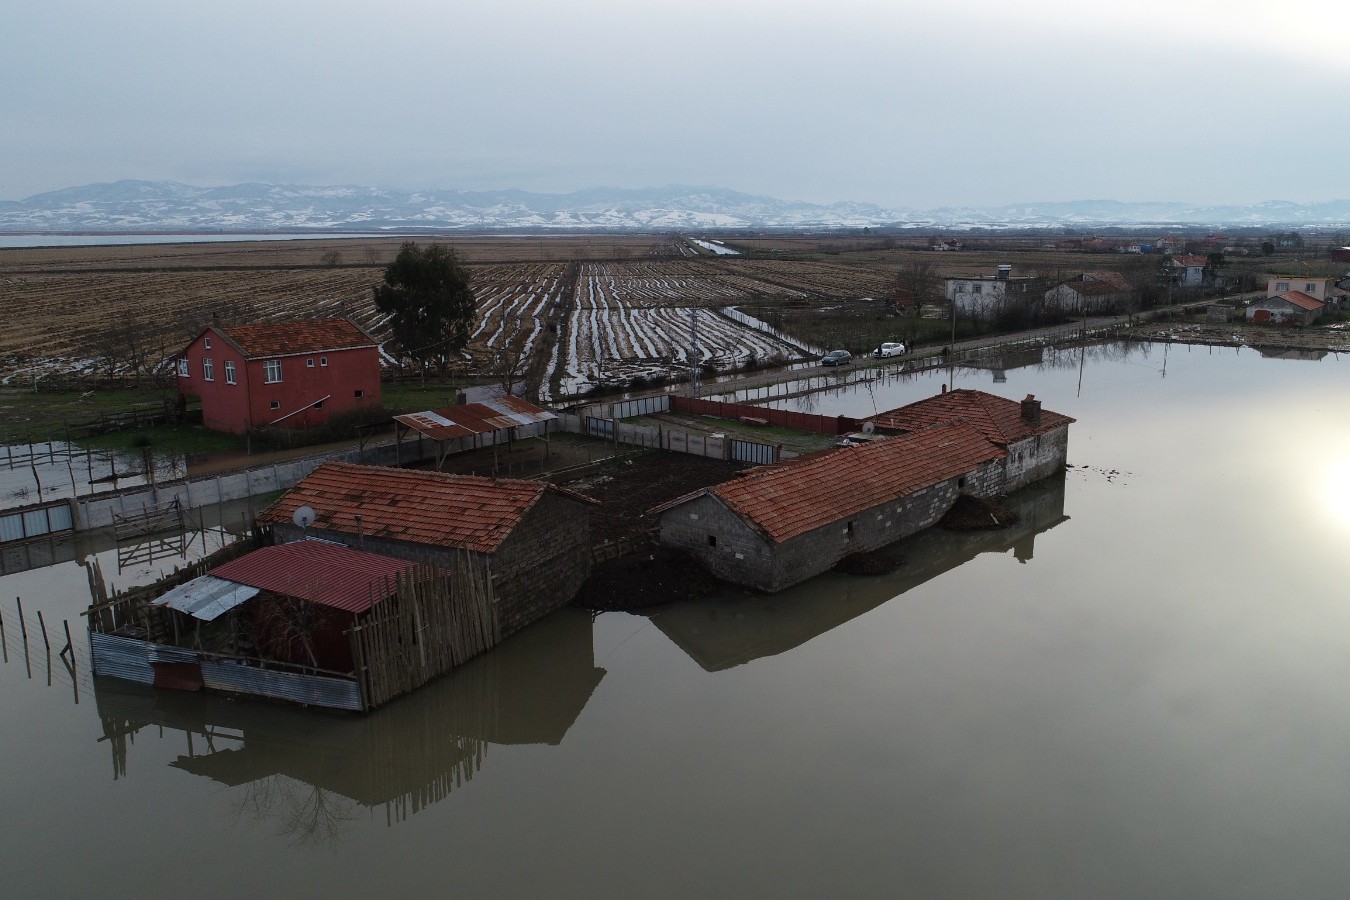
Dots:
(511, 359)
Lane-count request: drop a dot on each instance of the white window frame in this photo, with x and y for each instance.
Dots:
(206, 343)
(229, 371)
(323, 362)
(309, 363)
(184, 368)
(208, 369)
(272, 371)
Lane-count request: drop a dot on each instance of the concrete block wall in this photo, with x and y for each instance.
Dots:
(542, 565)
(740, 555)
(1035, 458)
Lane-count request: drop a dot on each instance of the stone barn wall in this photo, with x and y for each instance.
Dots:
(1037, 457)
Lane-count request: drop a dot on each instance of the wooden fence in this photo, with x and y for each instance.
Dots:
(434, 621)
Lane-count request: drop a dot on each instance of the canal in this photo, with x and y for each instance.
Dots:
(1138, 691)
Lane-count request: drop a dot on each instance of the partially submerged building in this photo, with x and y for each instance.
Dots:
(780, 524)
(376, 581)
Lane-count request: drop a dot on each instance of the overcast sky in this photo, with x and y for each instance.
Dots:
(899, 103)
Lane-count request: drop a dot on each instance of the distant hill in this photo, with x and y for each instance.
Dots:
(170, 206)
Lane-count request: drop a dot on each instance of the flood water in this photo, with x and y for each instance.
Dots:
(1137, 692)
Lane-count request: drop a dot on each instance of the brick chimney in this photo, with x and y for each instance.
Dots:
(1031, 410)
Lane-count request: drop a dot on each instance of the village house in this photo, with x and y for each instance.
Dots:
(290, 374)
(533, 536)
(1187, 271)
(1321, 289)
(781, 524)
(983, 295)
(1087, 297)
(1289, 308)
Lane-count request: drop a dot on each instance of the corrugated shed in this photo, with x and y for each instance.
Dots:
(291, 338)
(206, 598)
(314, 690)
(435, 508)
(469, 419)
(997, 418)
(784, 501)
(317, 571)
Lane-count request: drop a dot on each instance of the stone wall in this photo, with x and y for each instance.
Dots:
(1035, 458)
(727, 546)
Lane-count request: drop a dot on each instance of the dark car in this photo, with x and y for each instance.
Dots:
(836, 358)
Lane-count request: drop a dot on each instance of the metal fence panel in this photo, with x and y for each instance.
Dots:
(753, 452)
(314, 690)
(121, 657)
(599, 427)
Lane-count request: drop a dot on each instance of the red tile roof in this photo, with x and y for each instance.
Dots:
(317, 571)
(290, 338)
(419, 507)
(1190, 261)
(784, 501)
(1301, 300)
(997, 418)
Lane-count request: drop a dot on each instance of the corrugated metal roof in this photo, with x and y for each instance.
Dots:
(206, 598)
(318, 571)
(468, 419)
(419, 507)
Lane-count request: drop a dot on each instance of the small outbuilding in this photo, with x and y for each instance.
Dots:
(290, 374)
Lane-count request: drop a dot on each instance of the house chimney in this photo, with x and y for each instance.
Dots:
(1031, 410)
(1004, 271)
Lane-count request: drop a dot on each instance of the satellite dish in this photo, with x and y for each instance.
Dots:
(304, 516)
(868, 427)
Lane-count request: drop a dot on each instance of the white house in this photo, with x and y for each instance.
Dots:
(1316, 288)
(983, 295)
(1188, 271)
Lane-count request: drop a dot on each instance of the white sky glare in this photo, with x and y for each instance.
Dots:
(904, 104)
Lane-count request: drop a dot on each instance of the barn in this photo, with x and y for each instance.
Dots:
(287, 374)
(534, 537)
(781, 524)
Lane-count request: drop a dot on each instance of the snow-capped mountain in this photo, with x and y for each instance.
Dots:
(169, 206)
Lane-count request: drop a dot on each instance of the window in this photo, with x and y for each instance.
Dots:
(360, 393)
(275, 404)
(318, 404)
(206, 342)
(183, 368)
(712, 540)
(309, 363)
(229, 371)
(323, 361)
(1310, 289)
(1281, 286)
(208, 369)
(272, 371)
(977, 289)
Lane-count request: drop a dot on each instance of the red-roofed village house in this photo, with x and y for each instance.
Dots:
(290, 374)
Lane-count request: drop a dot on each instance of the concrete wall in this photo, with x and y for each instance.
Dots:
(1035, 458)
(97, 511)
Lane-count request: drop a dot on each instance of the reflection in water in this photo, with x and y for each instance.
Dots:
(728, 631)
(311, 770)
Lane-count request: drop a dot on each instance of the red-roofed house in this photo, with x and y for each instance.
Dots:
(1289, 308)
(1188, 271)
(781, 524)
(291, 374)
(534, 536)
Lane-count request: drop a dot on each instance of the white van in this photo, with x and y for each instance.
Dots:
(889, 349)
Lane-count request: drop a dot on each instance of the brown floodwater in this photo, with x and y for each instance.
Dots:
(1138, 691)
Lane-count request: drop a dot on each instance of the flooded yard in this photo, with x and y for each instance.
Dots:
(1137, 691)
